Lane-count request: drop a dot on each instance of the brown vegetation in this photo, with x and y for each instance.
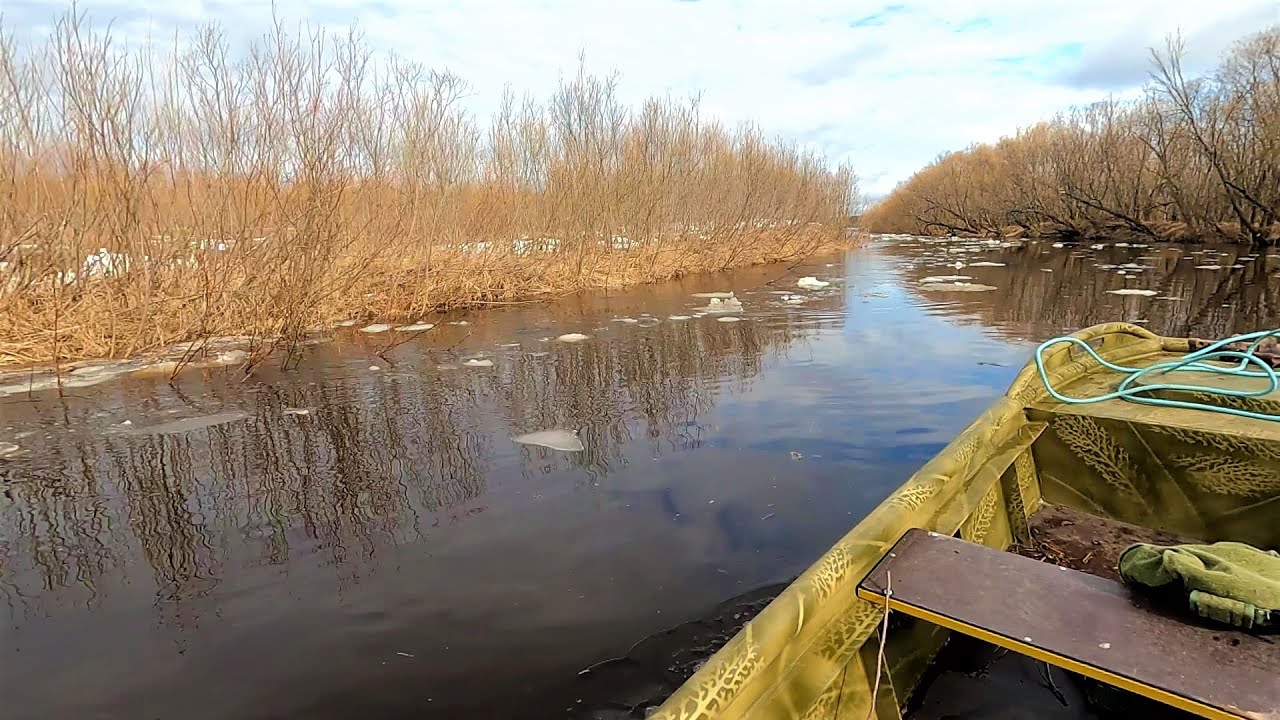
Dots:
(1194, 158)
(150, 197)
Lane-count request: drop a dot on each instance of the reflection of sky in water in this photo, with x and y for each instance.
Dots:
(277, 564)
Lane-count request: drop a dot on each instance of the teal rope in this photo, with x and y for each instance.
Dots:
(1195, 362)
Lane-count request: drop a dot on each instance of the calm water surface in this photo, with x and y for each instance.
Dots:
(392, 552)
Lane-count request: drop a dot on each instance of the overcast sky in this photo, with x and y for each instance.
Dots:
(886, 85)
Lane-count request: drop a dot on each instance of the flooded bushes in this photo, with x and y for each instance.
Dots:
(152, 196)
(1193, 158)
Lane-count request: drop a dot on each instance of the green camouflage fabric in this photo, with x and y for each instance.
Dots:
(812, 653)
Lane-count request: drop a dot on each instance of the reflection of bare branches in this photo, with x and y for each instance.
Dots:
(375, 459)
(1207, 303)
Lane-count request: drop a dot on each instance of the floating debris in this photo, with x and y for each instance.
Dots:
(572, 337)
(795, 455)
(566, 440)
(478, 363)
(1133, 291)
(415, 327)
(375, 328)
(811, 283)
(986, 263)
(717, 295)
(728, 318)
(957, 287)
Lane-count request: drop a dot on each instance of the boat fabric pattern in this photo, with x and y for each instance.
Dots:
(1229, 582)
(812, 652)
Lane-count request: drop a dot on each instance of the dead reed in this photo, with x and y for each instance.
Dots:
(150, 196)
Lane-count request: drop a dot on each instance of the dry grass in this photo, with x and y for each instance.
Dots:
(150, 197)
(1196, 158)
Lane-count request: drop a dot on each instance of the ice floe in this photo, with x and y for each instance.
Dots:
(566, 440)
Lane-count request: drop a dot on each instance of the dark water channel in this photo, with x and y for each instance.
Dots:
(392, 553)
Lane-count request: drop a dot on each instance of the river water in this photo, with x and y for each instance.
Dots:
(331, 540)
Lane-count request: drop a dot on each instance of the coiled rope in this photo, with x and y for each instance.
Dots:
(1198, 361)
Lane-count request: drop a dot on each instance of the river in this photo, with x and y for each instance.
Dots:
(331, 540)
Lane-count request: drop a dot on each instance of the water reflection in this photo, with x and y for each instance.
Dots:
(391, 552)
(1201, 291)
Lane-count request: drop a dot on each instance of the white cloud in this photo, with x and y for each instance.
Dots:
(887, 85)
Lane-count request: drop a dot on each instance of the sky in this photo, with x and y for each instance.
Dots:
(886, 86)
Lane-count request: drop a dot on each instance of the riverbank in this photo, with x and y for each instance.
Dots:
(159, 196)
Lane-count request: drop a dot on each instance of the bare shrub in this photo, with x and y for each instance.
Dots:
(150, 196)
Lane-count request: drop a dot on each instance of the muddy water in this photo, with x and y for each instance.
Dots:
(333, 540)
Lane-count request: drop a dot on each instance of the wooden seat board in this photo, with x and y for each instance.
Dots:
(1094, 626)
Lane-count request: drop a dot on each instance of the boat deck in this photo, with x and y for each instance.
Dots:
(1088, 543)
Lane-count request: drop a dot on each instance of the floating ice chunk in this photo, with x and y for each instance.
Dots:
(728, 318)
(375, 368)
(1208, 267)
(680, 317)
(459, 322)
(1046, 269)
(346, 323)
(944, 278)
(1133, 291)
(375, 328)
(1099, 246)
(629, 321)
(793, 299)
(566, 440)
(189, 424)
(730, 305)
(986, 263)
(1059, 245)
(957, 287)
(719, 295)
(958, 265)
(478, 363)
(8, 449)
(572, 337)
(811, 283)
(415, 327)
(296, 411)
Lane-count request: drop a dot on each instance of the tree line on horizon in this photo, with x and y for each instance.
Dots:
(1195, 157)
